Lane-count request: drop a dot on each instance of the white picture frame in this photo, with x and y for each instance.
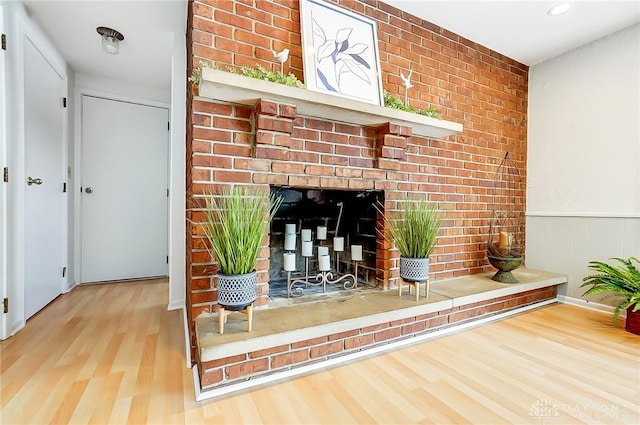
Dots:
(340, 52)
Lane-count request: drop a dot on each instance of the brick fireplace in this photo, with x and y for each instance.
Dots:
(278, 141)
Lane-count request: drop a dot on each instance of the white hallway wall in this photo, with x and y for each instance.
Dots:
(583, 171)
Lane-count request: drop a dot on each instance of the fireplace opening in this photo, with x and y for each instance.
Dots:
(323, 241)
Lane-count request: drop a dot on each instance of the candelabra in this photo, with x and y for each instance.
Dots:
(324, 275)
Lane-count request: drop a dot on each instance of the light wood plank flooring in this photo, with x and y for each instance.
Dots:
(111, 354)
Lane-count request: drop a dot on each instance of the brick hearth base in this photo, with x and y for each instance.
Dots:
(325, 334)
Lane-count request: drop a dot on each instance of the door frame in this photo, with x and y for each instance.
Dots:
(77, 161)
(3, 185)
(19, 28)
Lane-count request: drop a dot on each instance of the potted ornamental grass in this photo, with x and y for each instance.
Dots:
(621, 282)
(236, 222)
(414, 231)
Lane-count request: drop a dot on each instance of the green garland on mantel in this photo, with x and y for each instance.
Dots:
(291, 80)
(258, 72)
(396, 103)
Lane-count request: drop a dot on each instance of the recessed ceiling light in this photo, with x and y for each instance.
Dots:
(559, 9)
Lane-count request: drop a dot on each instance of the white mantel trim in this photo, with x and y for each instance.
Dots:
(238, 89)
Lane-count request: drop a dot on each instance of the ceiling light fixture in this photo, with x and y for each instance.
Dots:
(110, 40)
(559, 9)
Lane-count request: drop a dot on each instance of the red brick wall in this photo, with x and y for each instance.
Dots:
(231, 370)
(466, 82)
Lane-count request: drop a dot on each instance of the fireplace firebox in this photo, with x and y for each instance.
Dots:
(319, 230)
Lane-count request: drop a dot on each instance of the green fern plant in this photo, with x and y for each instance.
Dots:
(414, 228)
(616, 281)
(235, 225)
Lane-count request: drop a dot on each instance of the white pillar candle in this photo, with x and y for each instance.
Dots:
(290, 242)
(307, 248)
(306, 235)
(290, 229)
(338, 244)
(289, 261)
(321, 233)
(324, 263)
(356, 252)
(323, 250)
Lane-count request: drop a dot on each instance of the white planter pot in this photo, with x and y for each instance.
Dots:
(236, 292)
(414, 269)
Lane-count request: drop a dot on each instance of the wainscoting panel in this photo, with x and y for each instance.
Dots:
(566, 244)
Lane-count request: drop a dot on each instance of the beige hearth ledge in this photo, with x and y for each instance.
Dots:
(273, 327)
(238, 89)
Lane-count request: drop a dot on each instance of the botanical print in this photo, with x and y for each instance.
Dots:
(340, 52)
(339, 58)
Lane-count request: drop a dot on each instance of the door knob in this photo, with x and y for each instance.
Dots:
(88, 190)
(31, 181)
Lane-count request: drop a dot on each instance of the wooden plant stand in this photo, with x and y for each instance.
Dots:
(415, 286)
(222, 317)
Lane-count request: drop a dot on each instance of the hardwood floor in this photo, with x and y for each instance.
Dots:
(111, 354)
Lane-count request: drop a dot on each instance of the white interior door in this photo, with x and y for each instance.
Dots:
(44, 166)
(124, 190)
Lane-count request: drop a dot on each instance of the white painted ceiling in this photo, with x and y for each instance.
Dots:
(521, 30)
(147, 26)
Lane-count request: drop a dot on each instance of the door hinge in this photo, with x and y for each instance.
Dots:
(5, 305)
(168, 125)
(5, 175)
(64, 272)
(167, 259)
(167, 193)
(64, 102)
(64, 187)
(4, 42)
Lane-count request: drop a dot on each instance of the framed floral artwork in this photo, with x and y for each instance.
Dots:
(340, 52)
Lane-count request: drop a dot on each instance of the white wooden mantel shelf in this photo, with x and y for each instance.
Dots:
(238, 89)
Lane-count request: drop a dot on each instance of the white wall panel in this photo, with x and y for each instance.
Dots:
(560, 245)
(537, 249)
(584, 132)
(567, 244)
(631, 243)
(581, 256)
(583, 164)
(606, 237)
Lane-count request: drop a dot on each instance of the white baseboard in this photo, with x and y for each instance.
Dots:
(176, 305)
(590, 305)
(200, 395)
(16, 326)
(70, 286)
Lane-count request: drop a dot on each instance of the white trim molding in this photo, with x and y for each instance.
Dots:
(177, 174)
(582, 214)
(590, 305)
